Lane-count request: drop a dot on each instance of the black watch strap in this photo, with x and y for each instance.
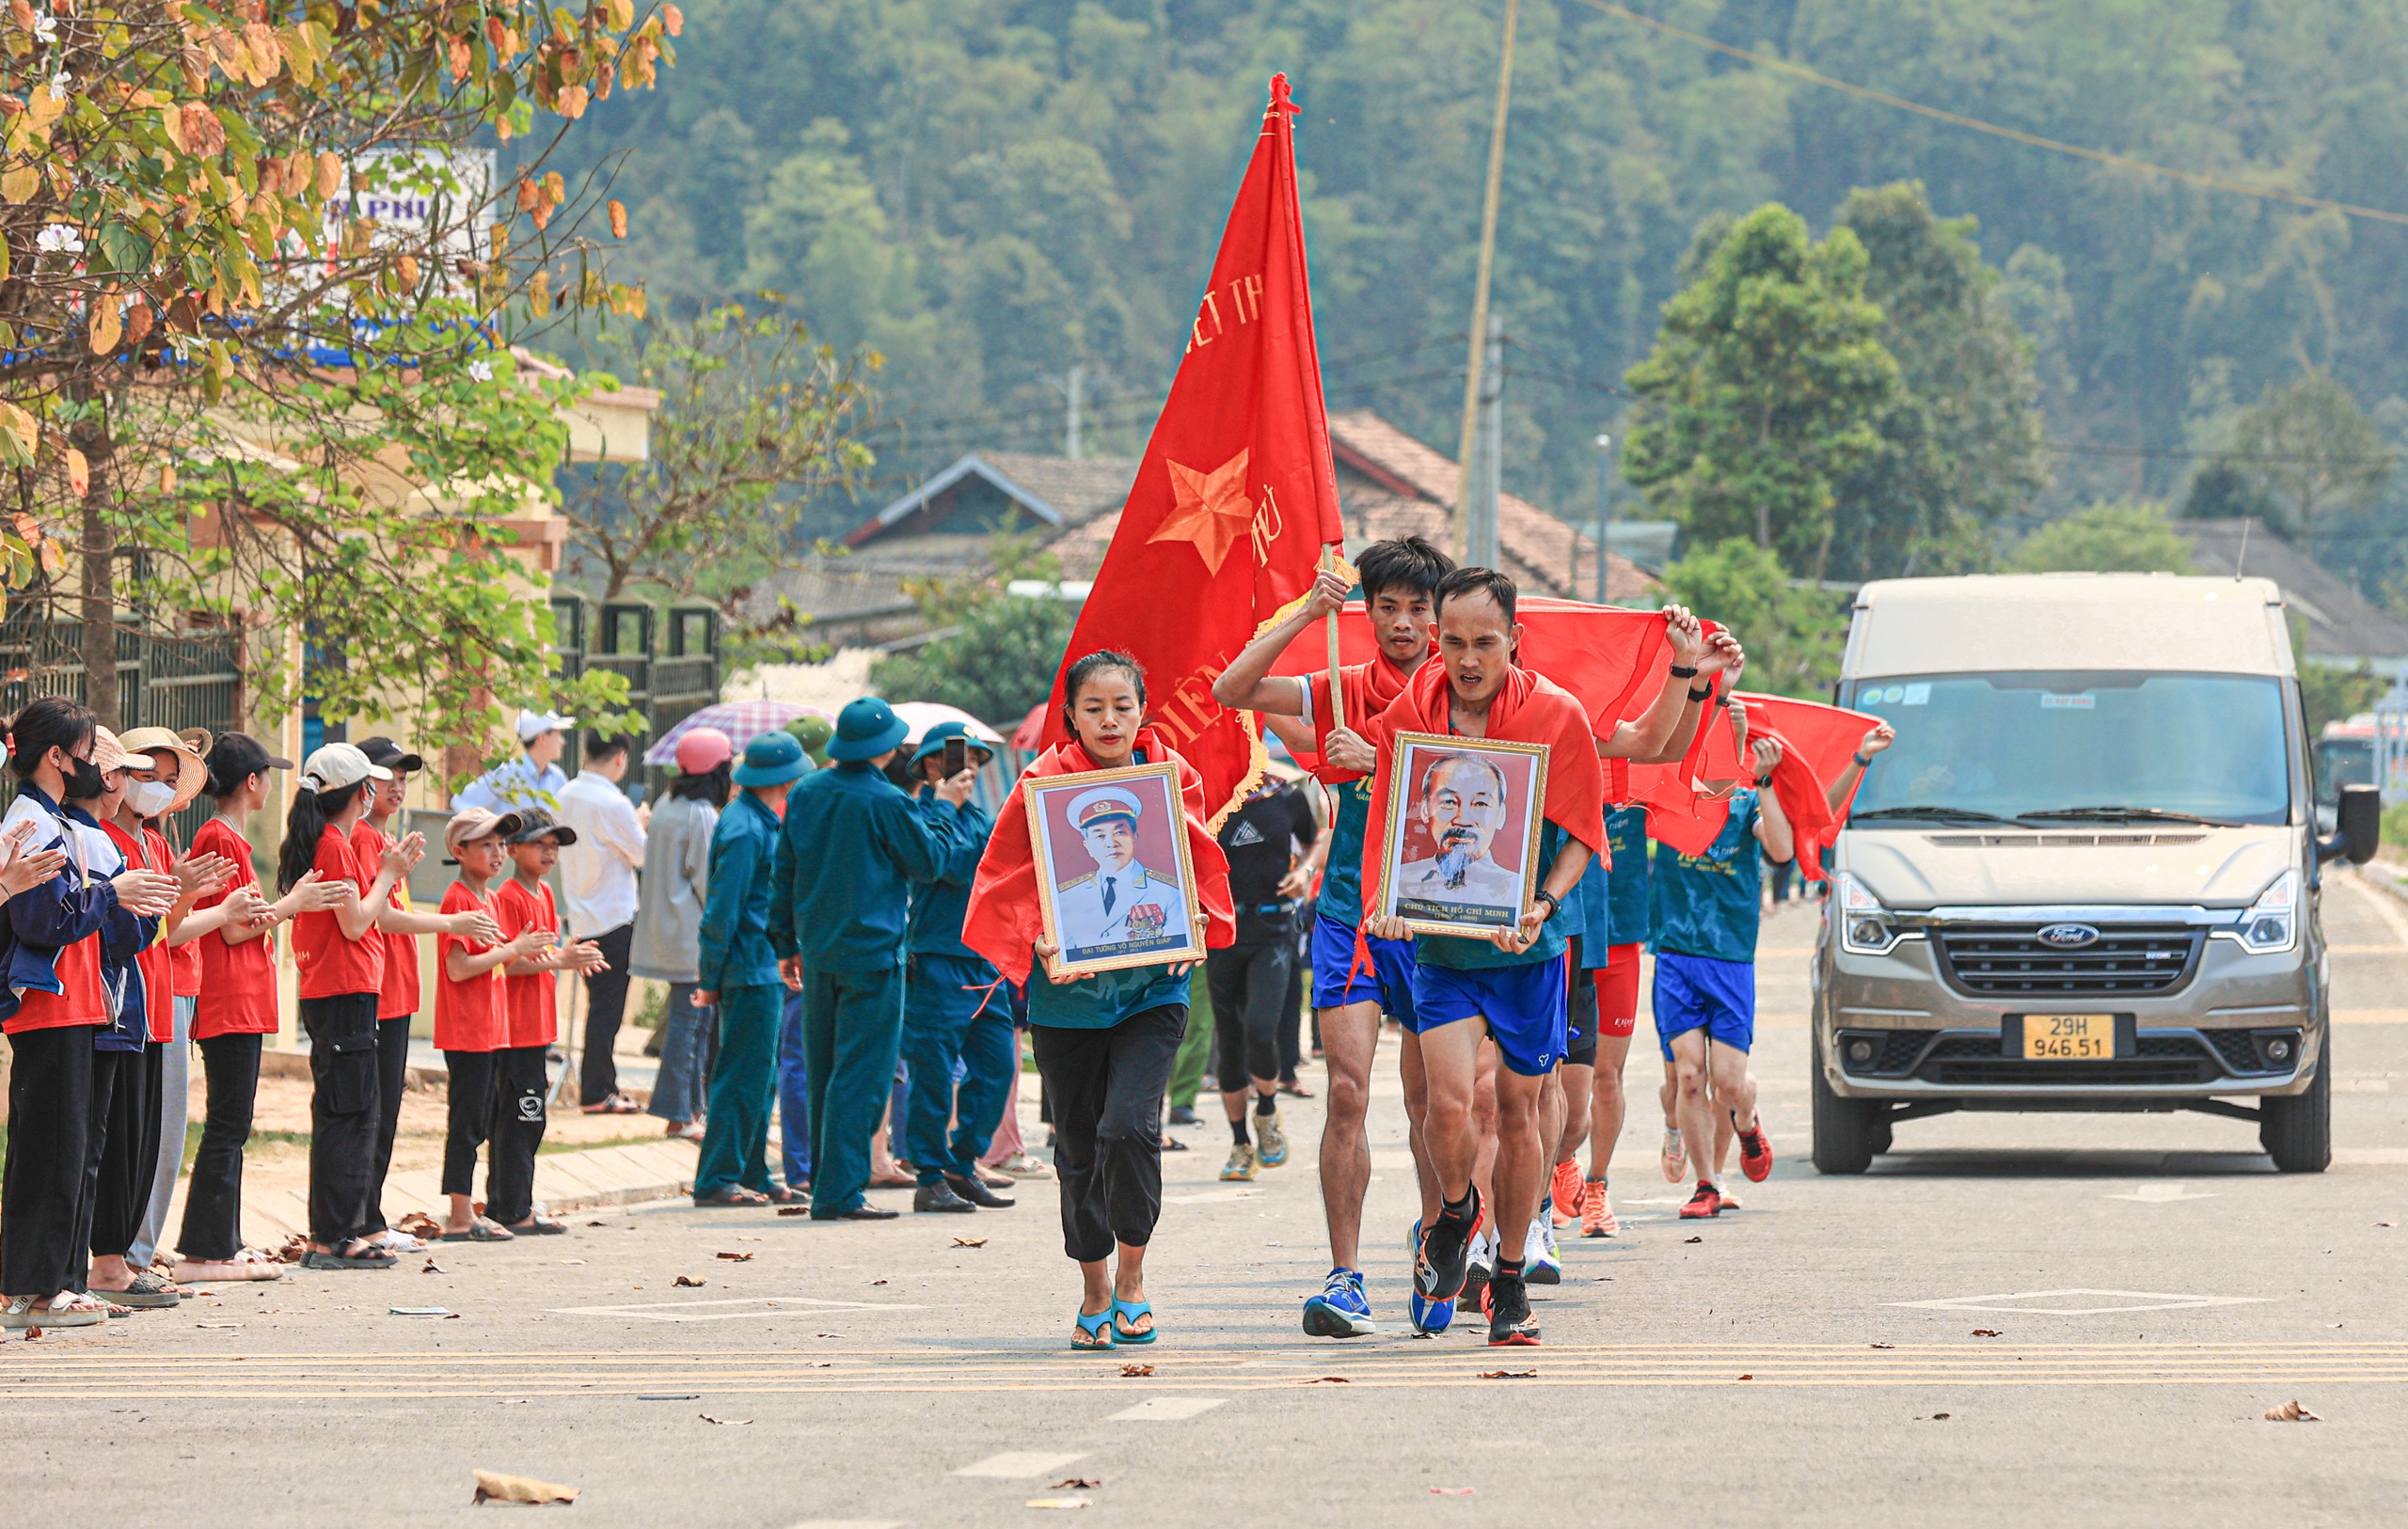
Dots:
(1554, 904)
(1701, 692)
(1683, 672)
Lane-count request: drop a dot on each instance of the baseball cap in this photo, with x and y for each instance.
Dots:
(384, 751)
(335, 766)
(234, 758)
(534, 725)
(475, 823)
(534, 823)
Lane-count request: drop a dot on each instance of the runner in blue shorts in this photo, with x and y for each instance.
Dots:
(1705, 911)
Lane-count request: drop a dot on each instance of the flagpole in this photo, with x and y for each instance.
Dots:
(1337, 692)
(1480, 285)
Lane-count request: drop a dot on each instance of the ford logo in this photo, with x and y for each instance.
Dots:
(2068, 937)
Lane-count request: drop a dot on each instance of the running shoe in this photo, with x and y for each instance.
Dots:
(1440, 1268)
(1427, 1316)
(1674, 1159)
(1482, 1259)
(1240, 1168)
(1541, 1262)
(1755, 1155)
(1271, 1148)
(1510, 1322)
(1723, 1192)
(1340, 1311)
(1598, 1212)
(1567, 1192)
(1706, 1202)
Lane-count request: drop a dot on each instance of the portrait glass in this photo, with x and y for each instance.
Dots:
(1112, 868)
(1463, 835)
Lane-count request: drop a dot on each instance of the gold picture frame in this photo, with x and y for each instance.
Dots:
(1487, 899)
(1070, 861)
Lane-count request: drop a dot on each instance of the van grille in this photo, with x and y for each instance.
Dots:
(2009, 961)
(2057, 841)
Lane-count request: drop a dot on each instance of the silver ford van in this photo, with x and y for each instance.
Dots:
(2085, 875)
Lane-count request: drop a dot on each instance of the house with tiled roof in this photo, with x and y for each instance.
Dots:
(1388, 484)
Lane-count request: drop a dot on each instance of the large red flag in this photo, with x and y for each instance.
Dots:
(1236, 495)
(1817, 742)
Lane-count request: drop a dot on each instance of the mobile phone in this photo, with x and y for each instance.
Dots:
(957, 755)
(636, 794)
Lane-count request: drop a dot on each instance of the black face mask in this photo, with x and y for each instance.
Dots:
(85, 784)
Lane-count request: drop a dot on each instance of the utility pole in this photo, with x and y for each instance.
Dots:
(1474, 390)
(1483, 480)
(1605, 506)
(1072, 388)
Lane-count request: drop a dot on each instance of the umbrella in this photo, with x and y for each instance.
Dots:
(920, 716)
(1030, 736)
(741, 720)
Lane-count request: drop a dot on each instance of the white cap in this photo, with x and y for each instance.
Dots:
(534, 725)
(338, 765)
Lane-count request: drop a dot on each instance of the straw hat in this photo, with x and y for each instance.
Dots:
(192, 775)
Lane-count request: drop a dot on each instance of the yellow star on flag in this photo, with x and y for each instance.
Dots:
(1212, 509)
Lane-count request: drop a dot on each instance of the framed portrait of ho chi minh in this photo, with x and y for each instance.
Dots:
(1460, 856)
(1114, 877)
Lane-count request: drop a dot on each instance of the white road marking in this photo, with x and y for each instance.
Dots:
(850, 1523)
(2159, 1194)
(1226, 1191)
(1018, 1465)
(1167, 1409)
(2123, 1300)
(696, 1311)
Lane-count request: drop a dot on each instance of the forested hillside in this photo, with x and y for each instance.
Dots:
(994, 192)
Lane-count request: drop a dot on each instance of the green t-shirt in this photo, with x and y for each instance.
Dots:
(1104, 999)
(1708, 905)
(1341, 880)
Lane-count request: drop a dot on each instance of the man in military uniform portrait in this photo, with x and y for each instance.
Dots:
(1121, 907)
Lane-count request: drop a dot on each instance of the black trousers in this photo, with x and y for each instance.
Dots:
(1248, 983)
(392, 1078)
(606, 1004)
(1107, 1091)
(212, 1229)
(1291, 1020)
(52, 1123)
(468, 1119)
(343, 1114)
(127, 1162)
(521, 1083)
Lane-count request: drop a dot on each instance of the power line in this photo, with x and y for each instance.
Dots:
(2100, 156)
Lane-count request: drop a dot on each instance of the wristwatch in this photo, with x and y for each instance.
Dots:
(1862, 763)
(1683, 672)
(1701, 692)
(1554, 904)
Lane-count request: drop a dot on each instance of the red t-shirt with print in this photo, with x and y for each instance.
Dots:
(332, 965)
(400, 996)
(237, 988)
(467, 1015)
(156, 961)
(530, 1004)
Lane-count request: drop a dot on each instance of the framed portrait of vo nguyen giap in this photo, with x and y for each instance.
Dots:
(1113, 873)
(1460, 856)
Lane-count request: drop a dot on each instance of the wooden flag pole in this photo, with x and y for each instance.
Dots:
(1337, 692)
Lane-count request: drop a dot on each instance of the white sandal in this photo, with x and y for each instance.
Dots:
(67, 1309)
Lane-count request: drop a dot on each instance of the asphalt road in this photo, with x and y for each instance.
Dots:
(2011, 1320)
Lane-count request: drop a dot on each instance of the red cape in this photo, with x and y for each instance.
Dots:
(1529, 708)
(1004, 922)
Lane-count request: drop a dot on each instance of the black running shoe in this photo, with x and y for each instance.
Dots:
(1511, 1322)
(1438, 1273)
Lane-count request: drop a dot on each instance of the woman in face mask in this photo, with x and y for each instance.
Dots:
(138, 1167)
(56, 1001)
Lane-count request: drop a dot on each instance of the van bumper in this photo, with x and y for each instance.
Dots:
(1892, 1027)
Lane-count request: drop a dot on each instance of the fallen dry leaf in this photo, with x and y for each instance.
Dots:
(1985, 1333)
(595, 1224)
(1135, 1371)
(1509, 1375)
(878, 1282)
(782, 1210)
(578, 1261)
(493, 1486)
(296, 1248)
(32, 1334)
(727, 1422)
(1694, 1240)
(2290, 1411)
(738, 1258)
(1885, 1346)
(1329, 1380)
(1057, 1502)
(686, 1282)
(1076, 1484)
(1747, 1378)
(418, 1224)
(218, 1324)
(1939, 1417)
(969, 1242)
(432, 1268)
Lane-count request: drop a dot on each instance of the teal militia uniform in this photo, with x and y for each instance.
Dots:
(736, 961)
(851, 846)
(954, 1008)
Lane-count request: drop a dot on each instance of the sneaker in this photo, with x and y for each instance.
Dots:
(1706, 1202)
(1340, 1311)
(1443, 1264)
(1566, 1192)
(1427, 1316)
(1542, 1264)
(1598, 1212)
(1674, 1159)
(1511, 1322)
(1723, 1192)
(1476, 1269)
(1240, 1168)
(1272, 1149)
(1755, 1155)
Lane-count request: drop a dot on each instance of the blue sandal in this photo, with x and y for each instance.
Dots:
(1096, 1327)
(1131, 1310)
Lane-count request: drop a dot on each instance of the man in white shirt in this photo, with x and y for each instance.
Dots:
(532, 779)
(599, 886)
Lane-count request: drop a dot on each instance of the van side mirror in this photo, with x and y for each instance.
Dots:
(2359, 816)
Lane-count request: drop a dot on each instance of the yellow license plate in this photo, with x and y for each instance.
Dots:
(2070, 1037)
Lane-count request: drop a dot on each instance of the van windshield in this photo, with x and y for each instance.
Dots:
(2078, 745)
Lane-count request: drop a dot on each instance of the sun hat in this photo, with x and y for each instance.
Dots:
(107, 754)
(703, 750)
(866, 729)
(335, 766)
(191, 774)
(933, 744)
(475, 823)
(772, 760)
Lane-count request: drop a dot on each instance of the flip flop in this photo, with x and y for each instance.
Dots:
(732, 1194)
(314, 1259)
(148, 1292)
(789, 1195)
(1295, 1090)
(482, 1231)
(1129, 1311)
(538, 1226)
(1096, 1334)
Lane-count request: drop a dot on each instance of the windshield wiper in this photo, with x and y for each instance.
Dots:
(2126, 814)
(1936, 814)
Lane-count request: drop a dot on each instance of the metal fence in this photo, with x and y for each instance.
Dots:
(668, 654)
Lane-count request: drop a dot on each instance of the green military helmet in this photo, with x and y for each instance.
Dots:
(812, 732)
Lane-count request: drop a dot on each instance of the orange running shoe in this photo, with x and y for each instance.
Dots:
(1706, 1201)
(1568, 1185)
(1596, 1213)
(1755, 1155)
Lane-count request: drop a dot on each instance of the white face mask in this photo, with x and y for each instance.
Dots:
(148, 799)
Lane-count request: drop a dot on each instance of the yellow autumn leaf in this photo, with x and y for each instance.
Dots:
(618, 218)
(539, 293)
(329, 174)
(407, 267)
(571, 102)
(622, 14)
(17, 435)
(674, 19)
(79, 472)
(19, 186)
(265, 50)
(106, 325)
(298, 55)
(167, 478)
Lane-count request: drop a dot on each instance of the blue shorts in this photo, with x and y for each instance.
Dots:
(1523, 1005)
(1698, 992)
(1336, 984)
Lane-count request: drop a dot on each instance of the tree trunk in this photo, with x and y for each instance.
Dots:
(100, 576)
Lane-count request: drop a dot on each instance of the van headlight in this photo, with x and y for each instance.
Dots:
(1866, 928)
(2271, 924)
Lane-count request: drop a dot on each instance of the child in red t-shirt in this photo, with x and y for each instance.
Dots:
(468, 1026)
(523, 906)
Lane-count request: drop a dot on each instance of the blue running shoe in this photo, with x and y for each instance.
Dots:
(1340, 1311)
(1427, 1316)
